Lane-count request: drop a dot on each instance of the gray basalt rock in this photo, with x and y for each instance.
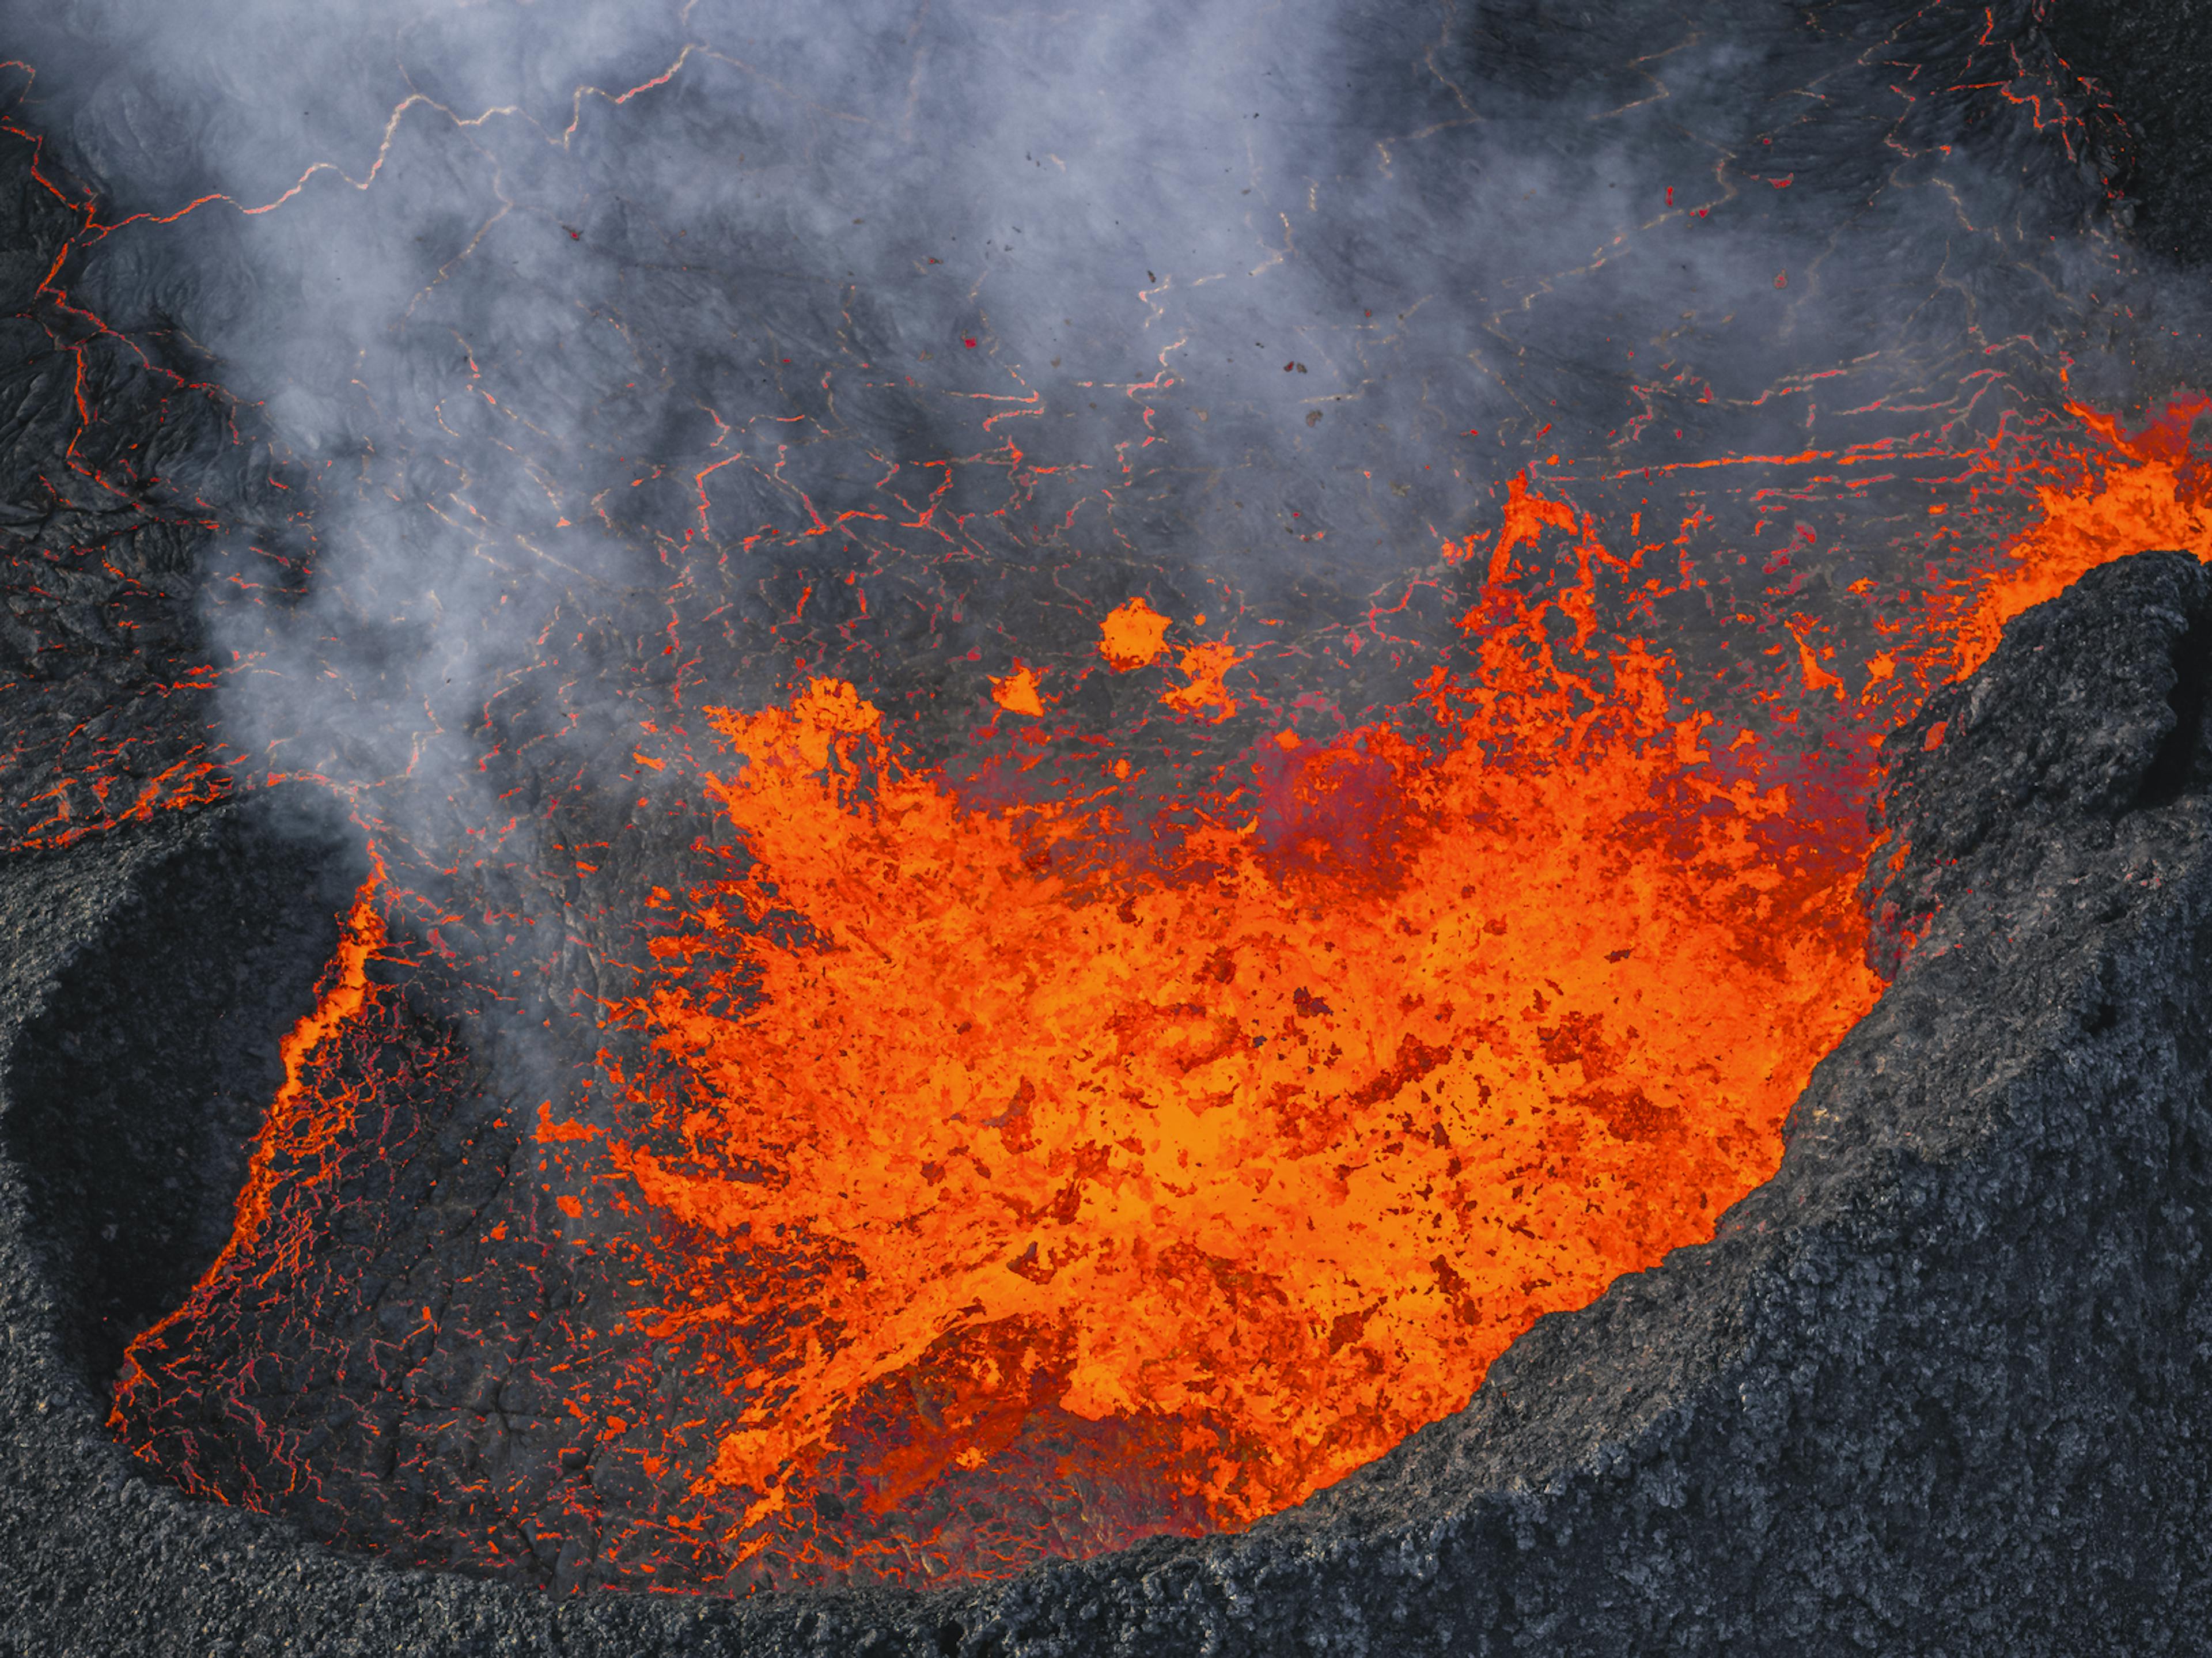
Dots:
(1940, 1387)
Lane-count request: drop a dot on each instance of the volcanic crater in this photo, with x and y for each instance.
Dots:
(673, 988)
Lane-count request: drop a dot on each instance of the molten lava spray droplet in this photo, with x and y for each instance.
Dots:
(1204, 693)
(1018, 692)
(1132, 635)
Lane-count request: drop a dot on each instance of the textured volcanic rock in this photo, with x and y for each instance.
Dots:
(2151, 61)
(1940, 1386)
(104, 692)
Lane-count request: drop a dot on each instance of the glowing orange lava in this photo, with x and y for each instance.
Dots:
(2146, 491)
(297, 1137)
(1277, 1150)
(1231, 1159)
(1132, 635)
(1018, 692)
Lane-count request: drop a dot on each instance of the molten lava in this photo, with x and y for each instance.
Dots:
(298, 1140)
(1264, 1154)
(2146, 490)
(963, 1174)
(967, 1179)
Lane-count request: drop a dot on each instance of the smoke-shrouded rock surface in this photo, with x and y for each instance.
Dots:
(1937, 1387)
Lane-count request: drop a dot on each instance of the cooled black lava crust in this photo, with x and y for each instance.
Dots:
(2151, 60)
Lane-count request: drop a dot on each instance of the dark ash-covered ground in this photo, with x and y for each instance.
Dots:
(1939, 1387)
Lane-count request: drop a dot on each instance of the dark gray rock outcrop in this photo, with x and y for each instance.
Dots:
(1943, 1385)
